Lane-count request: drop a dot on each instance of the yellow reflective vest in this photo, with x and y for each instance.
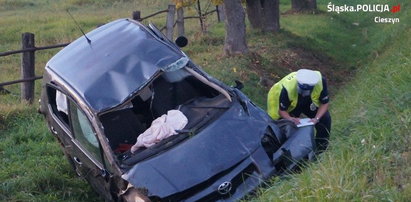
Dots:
(290, 84)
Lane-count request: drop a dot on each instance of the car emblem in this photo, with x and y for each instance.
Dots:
(224, 188)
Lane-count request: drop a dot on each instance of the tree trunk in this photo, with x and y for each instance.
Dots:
(201, 16)
(180, 22)
(220, 12)
(264, 14)
(235, 42)
(271, 13)
(254, 13)
(303, 5)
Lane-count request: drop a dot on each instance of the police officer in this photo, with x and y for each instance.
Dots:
(304, 91)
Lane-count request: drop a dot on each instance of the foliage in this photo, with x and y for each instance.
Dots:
(183, 3)
(187, 3)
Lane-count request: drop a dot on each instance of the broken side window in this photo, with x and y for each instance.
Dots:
(83, 131)
(58, 105)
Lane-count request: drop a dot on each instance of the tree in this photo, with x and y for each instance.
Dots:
(271, 15)
(264, 14)
(254, 13)
(303, 5)
(235, 38)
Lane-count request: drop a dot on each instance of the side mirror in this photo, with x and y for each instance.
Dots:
(238, 84)
(181, 41)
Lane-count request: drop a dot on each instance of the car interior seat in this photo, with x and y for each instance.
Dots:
(168, 95)
(122, 127)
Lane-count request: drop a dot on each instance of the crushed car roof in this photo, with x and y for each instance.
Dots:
(121, 57)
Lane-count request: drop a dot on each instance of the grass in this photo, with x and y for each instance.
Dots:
(369, 158)
(367, 64)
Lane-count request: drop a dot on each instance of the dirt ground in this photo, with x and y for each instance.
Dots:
(293, 59)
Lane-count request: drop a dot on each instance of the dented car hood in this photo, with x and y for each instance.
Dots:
(219, 147)
(121, 57)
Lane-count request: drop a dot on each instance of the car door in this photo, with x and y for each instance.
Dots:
(58, 120)
(86, 152)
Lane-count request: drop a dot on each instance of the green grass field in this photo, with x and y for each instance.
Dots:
(368, 66)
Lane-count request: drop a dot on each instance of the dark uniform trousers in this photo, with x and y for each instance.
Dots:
(323, 127)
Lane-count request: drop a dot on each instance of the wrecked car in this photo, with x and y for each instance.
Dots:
(101, 93)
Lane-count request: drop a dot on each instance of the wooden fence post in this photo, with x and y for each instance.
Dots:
(136, 15)
(27, 67)
(170, 21)
(220, 13)
(180, 22)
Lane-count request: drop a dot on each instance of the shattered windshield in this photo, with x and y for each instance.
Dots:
(172, 92)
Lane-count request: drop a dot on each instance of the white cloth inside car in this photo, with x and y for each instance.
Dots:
(61, 102)
(161, 128)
